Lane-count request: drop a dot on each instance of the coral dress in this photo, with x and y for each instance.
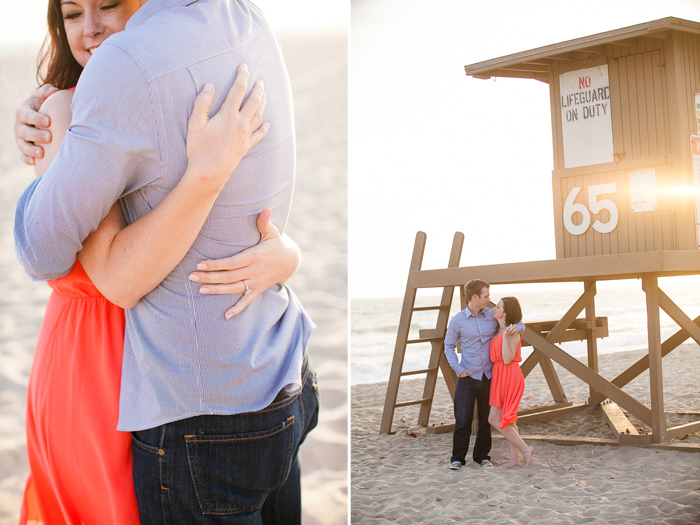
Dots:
(507, 382)
(80, 466)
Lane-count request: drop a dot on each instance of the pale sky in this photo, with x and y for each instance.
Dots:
(434, 150)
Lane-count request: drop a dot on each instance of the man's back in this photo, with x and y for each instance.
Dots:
(131, 107)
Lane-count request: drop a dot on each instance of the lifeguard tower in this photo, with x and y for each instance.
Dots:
(625, 111)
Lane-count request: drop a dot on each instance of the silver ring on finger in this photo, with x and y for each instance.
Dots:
(247, 290)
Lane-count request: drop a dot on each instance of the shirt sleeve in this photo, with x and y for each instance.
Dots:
(111, 149)
(520, 326)
(450, 345)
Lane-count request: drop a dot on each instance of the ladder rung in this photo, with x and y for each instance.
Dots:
(425, 308)
(416, 402)
(423, 340)
(424, 371)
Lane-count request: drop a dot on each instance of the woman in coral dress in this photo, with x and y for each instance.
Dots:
(507, 381)
(80, 465)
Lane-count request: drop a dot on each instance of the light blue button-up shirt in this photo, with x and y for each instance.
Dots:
(127, 141)
(474, 333)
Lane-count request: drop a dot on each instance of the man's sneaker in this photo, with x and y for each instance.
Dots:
(486, 463)
(455, 465)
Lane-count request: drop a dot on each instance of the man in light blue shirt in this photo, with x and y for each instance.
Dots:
(217, 407)
(473, 327)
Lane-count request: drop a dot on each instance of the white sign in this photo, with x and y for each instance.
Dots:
(695, 152)
(697, 112)
(595, 206)
(643, 189)
(586, 121)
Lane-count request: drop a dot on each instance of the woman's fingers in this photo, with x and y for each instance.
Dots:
(265, 227)
(221, 277)
(225, 289)
(241, 305)
(28, 150)
(259, 134)
(234, 97)
(253, 102)
(232, 289)
(257, 117)
(202, 104)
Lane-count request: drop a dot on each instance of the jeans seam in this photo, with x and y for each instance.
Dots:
(195, 475)
(193, 438)
(143, 446)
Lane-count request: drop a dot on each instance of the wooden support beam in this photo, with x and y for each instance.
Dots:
(681, 319)
(565, 440)
(600, 268)
(592, 336)
(572, 441)
(642, 365)
(409, 300)
(570, 316)
(414, 402)
(441, 429)
(584, 373)
(550, 374)
(577, 331)
(683, 430)
(555, 334)
(543, 408)
(542, 411)
(550, 414)
(530, 363)
(624, 430)
(650, 285)
(449, 375)
(421, 371)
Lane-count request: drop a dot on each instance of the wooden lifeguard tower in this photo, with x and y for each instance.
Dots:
(625, 111)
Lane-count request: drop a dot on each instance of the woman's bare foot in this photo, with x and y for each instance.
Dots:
(511, 463)
(527, 456)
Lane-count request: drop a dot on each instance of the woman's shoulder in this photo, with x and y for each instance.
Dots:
(57, 103)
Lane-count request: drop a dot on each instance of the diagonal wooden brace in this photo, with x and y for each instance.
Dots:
(584, 373)
(681, 319)
(642, 365)
(555, 334)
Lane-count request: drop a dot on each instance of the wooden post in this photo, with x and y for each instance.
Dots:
(437, 354)
(650, 285)
(402, 336)
(591, 339)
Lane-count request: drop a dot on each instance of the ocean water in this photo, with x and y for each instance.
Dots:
(374, 322)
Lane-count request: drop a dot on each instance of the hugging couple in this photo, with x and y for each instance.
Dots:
(181, 408)
(488, 374)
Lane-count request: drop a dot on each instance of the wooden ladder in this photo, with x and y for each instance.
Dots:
(435, 337)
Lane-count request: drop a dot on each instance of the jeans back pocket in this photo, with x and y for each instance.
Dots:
(234, 473)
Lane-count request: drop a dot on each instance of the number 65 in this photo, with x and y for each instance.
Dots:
(596, 206)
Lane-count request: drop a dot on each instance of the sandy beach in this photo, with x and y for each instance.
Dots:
(405, 479)
(318, 222)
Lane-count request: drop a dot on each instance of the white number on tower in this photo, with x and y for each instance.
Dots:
(595, 205)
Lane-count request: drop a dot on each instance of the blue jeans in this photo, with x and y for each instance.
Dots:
(468, 391)
(241, 469)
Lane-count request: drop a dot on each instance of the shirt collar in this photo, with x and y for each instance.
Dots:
(469, 313)
(152, 7)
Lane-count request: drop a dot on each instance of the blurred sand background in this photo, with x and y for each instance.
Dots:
(318, 222)
(406, 479)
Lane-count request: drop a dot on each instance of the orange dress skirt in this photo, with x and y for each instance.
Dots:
(507, 382)
(80, 465)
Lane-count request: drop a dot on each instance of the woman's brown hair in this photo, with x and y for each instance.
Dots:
(56, 64)
(511, 306)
